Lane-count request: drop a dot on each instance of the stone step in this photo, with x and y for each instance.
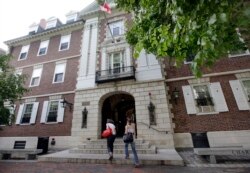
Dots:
(144, 145)
(117, 141)
(168, 158)
(151, 150)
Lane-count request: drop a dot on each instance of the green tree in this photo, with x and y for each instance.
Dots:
(176, 29)
(11, 88)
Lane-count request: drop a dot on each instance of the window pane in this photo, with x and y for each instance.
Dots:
(116, 31)
(42, 51)
(23, 55)
(246, 85)
(64, 46)
(27, 113)
(34, 81)
(58, 77)
(52, 113)
(202, 95)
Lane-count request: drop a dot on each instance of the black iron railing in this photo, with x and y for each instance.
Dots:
(121, 73)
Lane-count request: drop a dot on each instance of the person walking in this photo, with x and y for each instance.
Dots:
(130, 128)
(111, 139)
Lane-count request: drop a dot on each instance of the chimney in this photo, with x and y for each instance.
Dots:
(42, 23)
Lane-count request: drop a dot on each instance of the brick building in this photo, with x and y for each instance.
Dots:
(49, 57)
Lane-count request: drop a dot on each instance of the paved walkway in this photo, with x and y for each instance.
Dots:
(45, 167)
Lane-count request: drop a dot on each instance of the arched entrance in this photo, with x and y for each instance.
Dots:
(118, 107)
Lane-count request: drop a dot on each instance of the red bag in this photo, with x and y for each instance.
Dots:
(107, 133)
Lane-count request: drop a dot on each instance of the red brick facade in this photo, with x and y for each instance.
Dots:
(46, 87)
(234, 119)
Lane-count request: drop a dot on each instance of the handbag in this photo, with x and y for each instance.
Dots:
(128, 138)
(107, 133)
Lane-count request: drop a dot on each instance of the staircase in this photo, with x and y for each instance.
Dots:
(96, 152)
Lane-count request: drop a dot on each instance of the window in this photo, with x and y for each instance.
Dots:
(116, 62)
(52, 111)
(64, 43)
(51, 23)
(116, 28)
(246, 85)
(43, 48)
(35, 80)
(71, 18)
(239, 52)
(203, 99)
(59, 72)
(24, 52)
(27, 113)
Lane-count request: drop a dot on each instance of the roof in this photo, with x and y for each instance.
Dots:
(44, 32)
(95, 7)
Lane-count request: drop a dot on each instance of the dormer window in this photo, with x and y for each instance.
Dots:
(64, 43)
(33, 29)
(71, 17)
(24, 52)
(51, 23)
(43, 48)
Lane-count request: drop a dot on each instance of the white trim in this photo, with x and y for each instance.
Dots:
(25, 49)
(189, 99)
(45, 95)
(220, 103)
(43, 44)
(19, 114)
(34, 113)
(40, 75)
(239, 95)
(57, 70)
(208, 75)
(63, 38)
(44, 112)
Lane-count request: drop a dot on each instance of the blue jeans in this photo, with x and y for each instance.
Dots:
(136, 160)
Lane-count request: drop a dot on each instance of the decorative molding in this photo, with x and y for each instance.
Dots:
(29, 100)
(55, 97)
(47, 95)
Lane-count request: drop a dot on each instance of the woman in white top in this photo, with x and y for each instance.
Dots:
(130, 128)
(111, 139)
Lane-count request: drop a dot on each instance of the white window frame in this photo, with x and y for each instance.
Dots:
(198, 108)
(215, 92)
(65, 39)
(33, 112)
(51, 24)
(43, 44)
(25, 49)
(59, 69)
(111, 61)
(37, 72)
(71, 18)
(116, 24)
(45, 112)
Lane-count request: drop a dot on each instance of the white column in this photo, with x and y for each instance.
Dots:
(87, 69)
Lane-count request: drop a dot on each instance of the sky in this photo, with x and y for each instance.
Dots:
(17, 15)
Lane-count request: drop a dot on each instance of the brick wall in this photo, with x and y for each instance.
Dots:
(224, 121)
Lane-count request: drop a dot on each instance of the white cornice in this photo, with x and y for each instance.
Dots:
(16, 41)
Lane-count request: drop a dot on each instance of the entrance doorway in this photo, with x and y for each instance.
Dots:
(118, 107)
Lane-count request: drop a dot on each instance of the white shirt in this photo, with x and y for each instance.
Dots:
(112, 126)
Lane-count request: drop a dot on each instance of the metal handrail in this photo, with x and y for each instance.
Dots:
(152, 127)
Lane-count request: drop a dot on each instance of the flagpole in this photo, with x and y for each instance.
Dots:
(108, 26)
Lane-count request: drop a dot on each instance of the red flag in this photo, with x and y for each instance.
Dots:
(105, 7)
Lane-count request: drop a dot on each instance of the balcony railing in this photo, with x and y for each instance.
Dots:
(116, 74)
